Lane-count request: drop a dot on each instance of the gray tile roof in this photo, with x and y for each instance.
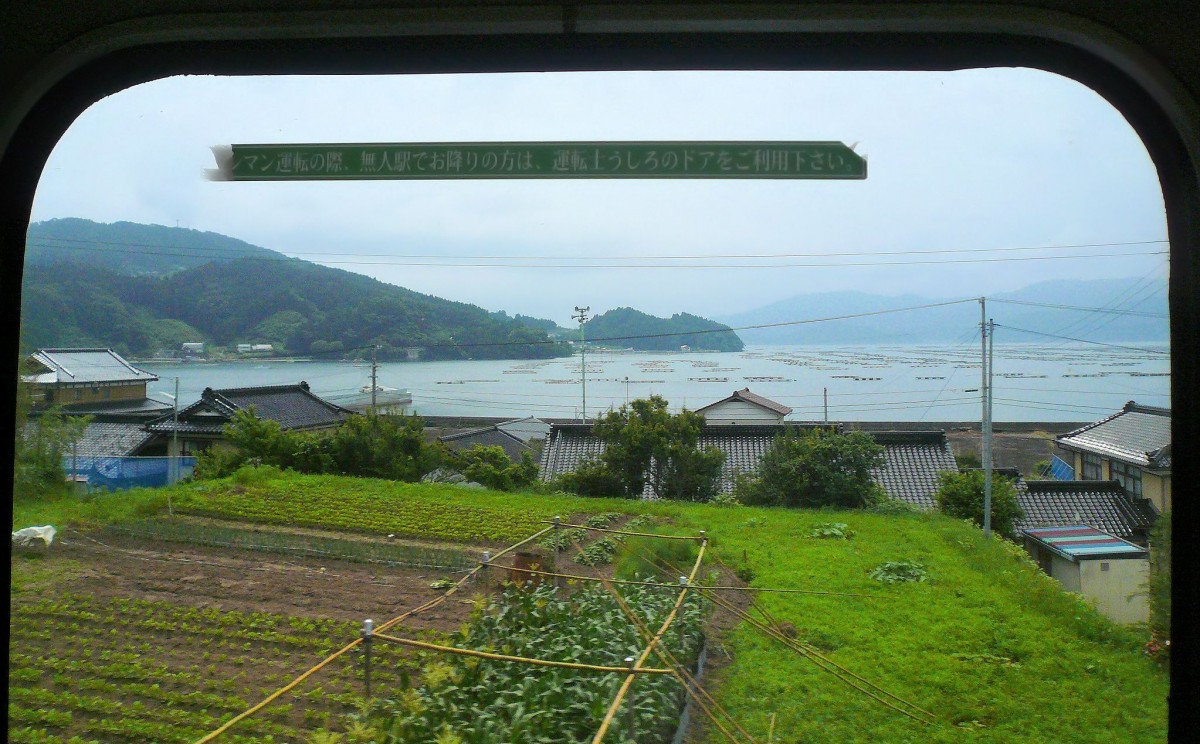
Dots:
(746, 396)
(525, 429)
(488, 437)
(292, 406)
(1102, 505)
(1137, 434)
(79, 366)
(912, 459)
(107, 439)
(143, 409)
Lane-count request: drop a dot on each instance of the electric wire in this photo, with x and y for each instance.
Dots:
(1083, 340)
(236, 252)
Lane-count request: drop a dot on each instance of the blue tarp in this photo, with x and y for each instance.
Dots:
(118, 473)
(1060, 470)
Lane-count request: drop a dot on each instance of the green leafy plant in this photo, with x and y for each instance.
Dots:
(598, 553)
(896, 572)
(831, 530)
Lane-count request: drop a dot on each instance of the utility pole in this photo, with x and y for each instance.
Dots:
(582, 318)
(991, 395)
(374, 370)
(985, 425)
(175, 434)
(626, 389)
(826, 392)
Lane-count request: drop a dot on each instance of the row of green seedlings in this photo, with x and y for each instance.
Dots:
(330, 548)
(443, 518)
(124, 667)
(601, 551)
(467, 699)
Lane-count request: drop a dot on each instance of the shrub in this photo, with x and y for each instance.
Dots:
(961, 495)
(594, 479)
(491, 466)
(1160, 581)
(815, 469)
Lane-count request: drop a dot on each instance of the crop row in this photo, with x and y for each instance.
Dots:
(424, 516)
(385, 553)
(104, 678)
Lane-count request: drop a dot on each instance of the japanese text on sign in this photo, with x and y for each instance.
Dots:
(801, 160)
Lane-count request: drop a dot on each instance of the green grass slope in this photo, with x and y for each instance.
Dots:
(988, 644)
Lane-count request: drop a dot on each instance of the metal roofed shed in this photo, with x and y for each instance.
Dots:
(1109, 571)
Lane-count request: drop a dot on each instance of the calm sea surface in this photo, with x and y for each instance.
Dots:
(864, 383)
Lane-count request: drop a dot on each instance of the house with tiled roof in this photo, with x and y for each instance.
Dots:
(1132, 447)
(1110, 572)
(912, 460)
(88, 381)
(1101, 505)
(744, 408)
(198, 426)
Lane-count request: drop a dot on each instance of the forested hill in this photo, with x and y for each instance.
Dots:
(660, 334)
(297, 306)
(132, 248)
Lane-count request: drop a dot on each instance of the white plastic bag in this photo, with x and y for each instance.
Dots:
(30, 537)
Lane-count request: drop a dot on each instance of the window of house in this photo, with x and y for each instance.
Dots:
(1129, 476)
(1091, 467)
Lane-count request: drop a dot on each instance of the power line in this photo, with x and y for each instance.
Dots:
(1150, 281)
(500, 262)
(1113, 311)
(240, 251)
(1084, 340)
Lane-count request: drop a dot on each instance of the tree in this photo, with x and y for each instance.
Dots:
(961, 495)
(815, 469)
(42, 444)
(644, 442)
(489, 465)
(383, 447)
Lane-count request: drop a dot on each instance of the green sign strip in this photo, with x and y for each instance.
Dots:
(473, 160)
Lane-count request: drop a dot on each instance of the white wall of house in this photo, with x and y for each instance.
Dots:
(1066, 572)
(1117, 586)
(735, 412)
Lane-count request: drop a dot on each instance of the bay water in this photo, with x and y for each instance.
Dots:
(936, 383)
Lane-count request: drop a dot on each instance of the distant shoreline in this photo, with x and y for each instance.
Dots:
(169, 360)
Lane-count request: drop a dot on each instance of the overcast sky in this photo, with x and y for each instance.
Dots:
(971, 160)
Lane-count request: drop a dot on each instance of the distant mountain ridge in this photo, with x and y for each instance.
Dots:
(961, 321)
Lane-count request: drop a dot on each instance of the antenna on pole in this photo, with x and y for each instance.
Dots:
(582, 317)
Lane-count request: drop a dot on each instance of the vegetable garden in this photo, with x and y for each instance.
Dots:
(161, 640)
